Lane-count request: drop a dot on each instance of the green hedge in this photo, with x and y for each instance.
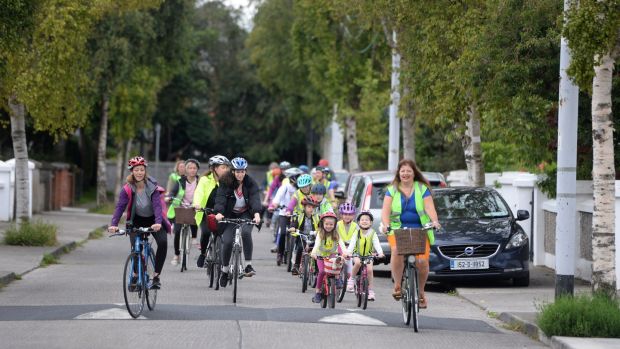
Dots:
(37, 233)
(581, 316)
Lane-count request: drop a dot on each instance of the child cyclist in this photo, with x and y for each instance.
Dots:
(304, 183)
(328, 244)
(305, 224)
(363, 243)
(318, 191)
(346, 227)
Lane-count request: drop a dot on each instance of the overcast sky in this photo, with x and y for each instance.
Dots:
(247, 8)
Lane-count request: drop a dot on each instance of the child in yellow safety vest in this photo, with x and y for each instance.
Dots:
(346, 227)
(363, 243)
(304, 224)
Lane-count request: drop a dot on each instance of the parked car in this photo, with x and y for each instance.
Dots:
(436, 179)
(480, 237)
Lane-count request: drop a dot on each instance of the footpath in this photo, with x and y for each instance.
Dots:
(518, 307)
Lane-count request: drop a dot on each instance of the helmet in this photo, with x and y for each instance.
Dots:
(309, 200)
(346, 208)
(323, 163)
(273, 165)
(304, 168)
(239, 164)
(325, 170)
(293, 171)
(318, 189)
(318, 168)
(327, 215)
(304, 180)
(196, 162)
(136, 161)
(285, 165)
(276, 172)
(365, 213)
(218, 160)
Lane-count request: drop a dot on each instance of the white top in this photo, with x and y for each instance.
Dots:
(283, 196)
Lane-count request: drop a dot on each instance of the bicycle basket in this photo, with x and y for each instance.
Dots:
(183, 215)
(332, 267)
(410, 241)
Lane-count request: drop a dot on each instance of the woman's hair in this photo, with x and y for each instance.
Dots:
(229, 180)
(417, 174)
(176, 167)
(131, 180)
(334, 233)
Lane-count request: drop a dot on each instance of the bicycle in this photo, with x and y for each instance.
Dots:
(213, 259)
(361, 282)
(343, 281)
(184, 215)
(137, 272)
(412, 243)
(288, 253)
(237, 249)
(328, 289)
(307, 268)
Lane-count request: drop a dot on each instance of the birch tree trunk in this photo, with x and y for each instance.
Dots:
(101, 153)
(408, 125)
(604, 175)
(473, 149)
(20, 150)
(121, 160)
(352, 156)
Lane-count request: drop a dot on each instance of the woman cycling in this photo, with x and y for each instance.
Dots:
(182, 194)
(141, 199)
(408, 204)
(238, 196)
(204, 197)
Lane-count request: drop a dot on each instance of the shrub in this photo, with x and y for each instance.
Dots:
(581, 316)
(37, 233)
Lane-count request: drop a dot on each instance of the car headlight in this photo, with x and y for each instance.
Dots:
(517, 240)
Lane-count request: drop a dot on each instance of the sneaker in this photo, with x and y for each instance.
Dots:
(371, 295)
(175, 260)
(155, 285)
(351, 285)
(201, 261)
(317, 298)
(249, 271)
(223, 279)
(279, 261)
(295, 270)
(274, 249)
(339, 283)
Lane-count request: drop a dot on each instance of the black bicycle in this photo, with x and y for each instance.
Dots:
(307, 268)
(139, 268)
(236, 262)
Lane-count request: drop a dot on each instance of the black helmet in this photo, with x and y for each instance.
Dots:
(196, 162)
(367, 213)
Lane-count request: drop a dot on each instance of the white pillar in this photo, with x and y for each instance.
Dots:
(394, 128)
(566, 221)
(336, 146)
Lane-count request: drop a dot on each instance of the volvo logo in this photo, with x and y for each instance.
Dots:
(469, 251)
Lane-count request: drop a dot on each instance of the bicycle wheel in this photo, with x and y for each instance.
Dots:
(151, 295)
(324, 293)
(406, 297)
(304, 273)
(343, 277)
(289, 257)
(364, 293)
(332, 292)
(183, 246)
(358, 291)
(235, 272)
(415, 298)
(217, 262)
(134, 298)
(313, 273)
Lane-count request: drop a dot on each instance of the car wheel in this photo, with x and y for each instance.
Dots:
(523, 281)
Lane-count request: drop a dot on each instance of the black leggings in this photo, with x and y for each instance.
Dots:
(160, 238)
(205, 235)
(228, 238)
(282, 228)
(177, 236)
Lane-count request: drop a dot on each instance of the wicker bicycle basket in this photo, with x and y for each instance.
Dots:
(410, 241)
(184, 215)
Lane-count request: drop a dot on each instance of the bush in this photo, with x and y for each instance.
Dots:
(37, 233)
(581, 316)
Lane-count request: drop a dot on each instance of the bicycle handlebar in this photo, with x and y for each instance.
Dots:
(238, 221)
(128, 231)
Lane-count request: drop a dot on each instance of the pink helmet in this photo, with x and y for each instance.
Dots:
(136, 161)
(346, 208)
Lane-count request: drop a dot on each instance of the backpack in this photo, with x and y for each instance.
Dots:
(162, 199)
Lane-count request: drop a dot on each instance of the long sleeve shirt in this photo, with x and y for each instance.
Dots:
(375, 241)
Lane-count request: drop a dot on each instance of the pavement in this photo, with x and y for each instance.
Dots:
(482, 313)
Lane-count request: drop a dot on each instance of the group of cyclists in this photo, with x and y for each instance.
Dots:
(296, 199)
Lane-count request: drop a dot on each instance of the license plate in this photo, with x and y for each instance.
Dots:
(468, 264)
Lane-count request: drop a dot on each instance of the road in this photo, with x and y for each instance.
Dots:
(79, 303)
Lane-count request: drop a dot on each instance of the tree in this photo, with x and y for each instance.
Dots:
(593, 33)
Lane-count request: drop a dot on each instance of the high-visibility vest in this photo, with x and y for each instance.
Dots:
(205, 187)
(344, 234)
(418, 189)
(328, 247)
(364, 245)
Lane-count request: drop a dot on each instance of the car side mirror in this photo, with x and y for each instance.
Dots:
(522, 215)
(339, 195)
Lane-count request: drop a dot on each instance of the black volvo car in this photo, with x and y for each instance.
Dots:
(480, 237)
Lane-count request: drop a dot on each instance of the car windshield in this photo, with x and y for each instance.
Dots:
(470, 205)
(378, 192)
(342, 177)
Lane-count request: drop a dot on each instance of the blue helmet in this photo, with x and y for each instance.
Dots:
(239, 164)
(304, 168)
(318, 189)
(304, 180)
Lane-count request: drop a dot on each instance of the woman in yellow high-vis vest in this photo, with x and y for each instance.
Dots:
(408, 203)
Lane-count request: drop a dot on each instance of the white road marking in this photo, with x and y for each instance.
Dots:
(352, 319)
(107, 314)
